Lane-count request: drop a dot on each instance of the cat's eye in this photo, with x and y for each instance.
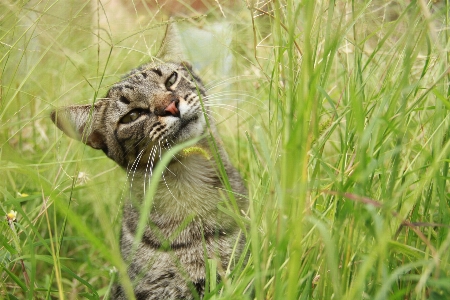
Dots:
(132, 116)
(171, 80)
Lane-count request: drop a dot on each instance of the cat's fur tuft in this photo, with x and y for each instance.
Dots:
(153, 108)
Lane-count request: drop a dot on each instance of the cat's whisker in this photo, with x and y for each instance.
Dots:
(128, 172)
(220, 104)
(164, 178)
(153, 156)
(171, 172)
(168, 143)
(222, 120)
(220, 82)
(130, 147)
(130, 169)
(173, 156)
(234, 109)
(135, 164)
(148, 167)
(152, 160)
(162, 147)
(133, 170)
(237, 101)
(239, 98)
(233, 93)
(220, 99)
(211, 117)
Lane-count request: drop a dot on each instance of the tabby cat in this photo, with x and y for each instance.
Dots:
(156, 106)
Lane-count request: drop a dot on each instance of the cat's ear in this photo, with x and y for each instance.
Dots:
(171, 48)
(77, 122)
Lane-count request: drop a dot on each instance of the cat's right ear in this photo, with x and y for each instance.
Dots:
(171, 47)
(77, 122)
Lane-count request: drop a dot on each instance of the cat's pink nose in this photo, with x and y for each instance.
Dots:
(172, 109)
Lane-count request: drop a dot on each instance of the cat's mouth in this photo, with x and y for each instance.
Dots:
(188, 128)
(186, 122)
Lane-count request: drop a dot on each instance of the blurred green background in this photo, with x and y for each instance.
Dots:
(335, 113)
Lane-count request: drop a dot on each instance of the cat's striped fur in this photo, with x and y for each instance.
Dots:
(153, 108)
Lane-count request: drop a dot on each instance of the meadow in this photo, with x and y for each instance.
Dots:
(336, 113)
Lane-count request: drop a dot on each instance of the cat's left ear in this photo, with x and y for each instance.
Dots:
(171, 48)
(78, 122)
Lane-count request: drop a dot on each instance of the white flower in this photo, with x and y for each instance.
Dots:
(11, 216)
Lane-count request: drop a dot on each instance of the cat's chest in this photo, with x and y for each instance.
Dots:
(190, 187)
(185, 207)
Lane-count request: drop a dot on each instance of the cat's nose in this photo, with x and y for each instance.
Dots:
(172, 109)
(166, 105)
(169, 110)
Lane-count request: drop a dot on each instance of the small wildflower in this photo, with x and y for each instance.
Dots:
(11, 216)
(22, 194)
(112, 271)
(82, 178)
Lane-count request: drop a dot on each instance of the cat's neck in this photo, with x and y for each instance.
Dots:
(189, 185)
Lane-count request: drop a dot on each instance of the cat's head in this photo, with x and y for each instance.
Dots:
(154, 106)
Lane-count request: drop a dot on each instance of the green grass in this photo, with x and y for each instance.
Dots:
(338, 123)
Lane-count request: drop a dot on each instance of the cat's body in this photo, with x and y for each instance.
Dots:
(155, 107)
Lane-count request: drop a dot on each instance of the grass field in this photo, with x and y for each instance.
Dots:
(335, 113)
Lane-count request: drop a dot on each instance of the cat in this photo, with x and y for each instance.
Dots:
(156, 106)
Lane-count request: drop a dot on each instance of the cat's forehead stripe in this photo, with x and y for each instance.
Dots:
(157, 71)
(120, 87)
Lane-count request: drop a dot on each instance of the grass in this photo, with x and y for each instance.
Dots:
(338, 123)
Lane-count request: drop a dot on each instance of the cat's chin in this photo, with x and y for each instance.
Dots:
(189, 129)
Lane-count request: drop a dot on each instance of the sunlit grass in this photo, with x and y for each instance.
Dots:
(335, 113)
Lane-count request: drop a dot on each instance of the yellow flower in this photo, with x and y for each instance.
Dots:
(196, 150)
(11, 216)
